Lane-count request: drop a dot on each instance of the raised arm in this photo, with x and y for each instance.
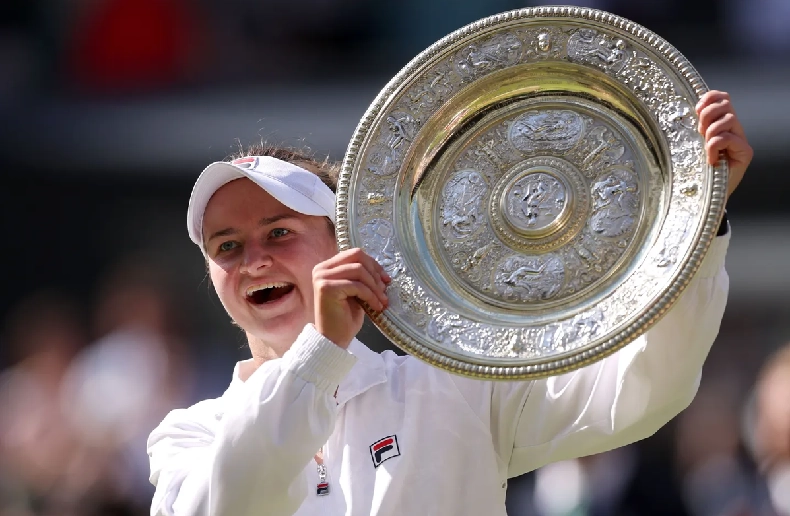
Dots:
(627, 396)
(245, 453)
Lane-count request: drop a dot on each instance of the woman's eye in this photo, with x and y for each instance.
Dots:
(227, 246)
(279, 232)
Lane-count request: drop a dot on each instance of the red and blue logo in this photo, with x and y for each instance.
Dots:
(249, 162)
(384, 449)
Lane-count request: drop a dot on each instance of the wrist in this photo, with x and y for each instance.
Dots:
(334, 337)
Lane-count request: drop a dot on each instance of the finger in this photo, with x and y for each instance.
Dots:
(715, 112)
(355, 271)
(350, 289)
(736, 147)
(724, 124)
(359, 255)
(711, 97)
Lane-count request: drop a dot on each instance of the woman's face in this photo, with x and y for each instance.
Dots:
(261, 256)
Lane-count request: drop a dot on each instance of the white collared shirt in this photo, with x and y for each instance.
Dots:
(402, 437)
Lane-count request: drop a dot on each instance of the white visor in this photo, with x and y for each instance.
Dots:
(295, 187)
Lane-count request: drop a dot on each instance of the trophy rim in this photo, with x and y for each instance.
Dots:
(642, 321)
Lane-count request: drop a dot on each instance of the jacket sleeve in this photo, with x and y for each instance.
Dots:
(621, 399)
(251, 456)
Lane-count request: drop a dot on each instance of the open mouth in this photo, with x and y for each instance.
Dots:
(263, 294)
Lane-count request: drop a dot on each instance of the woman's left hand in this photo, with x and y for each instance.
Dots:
(724, 133)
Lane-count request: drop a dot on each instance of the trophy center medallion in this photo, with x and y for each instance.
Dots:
(536, 202)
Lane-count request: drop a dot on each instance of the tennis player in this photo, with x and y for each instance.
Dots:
(317, 424)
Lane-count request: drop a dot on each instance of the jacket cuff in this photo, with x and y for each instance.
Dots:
(714, 260)
(318, 360)
(724, 226)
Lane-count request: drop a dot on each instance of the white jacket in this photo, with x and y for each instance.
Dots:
(403, 438)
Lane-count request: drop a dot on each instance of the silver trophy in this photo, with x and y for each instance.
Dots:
(536, 187)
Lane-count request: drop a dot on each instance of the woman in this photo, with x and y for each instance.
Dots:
(316, 423)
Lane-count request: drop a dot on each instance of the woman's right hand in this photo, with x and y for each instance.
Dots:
(339, 284)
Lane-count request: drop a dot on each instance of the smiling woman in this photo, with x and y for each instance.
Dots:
(380, 433)
(264, 223)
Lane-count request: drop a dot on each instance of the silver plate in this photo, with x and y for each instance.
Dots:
(535, 185)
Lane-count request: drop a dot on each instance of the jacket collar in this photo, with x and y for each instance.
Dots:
(367, 372)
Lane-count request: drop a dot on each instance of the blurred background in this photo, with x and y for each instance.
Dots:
(109, 109)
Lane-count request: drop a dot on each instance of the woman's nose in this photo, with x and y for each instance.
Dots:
(256, 257)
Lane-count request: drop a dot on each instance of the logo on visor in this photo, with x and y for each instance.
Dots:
(384, 449)
(245, 162)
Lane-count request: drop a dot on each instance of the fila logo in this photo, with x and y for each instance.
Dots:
(384, 449)
(245, 162)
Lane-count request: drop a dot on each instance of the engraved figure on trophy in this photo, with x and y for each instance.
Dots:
(378, 237)
(544, 41)
(606, 147)
(445, 326)
(461, 207)
(676, 234)
(402, 128)
(588, 46)
(385, 158)
(615, 203)
(500, 51)
(536, 200)
(469, 265)
(429, 94)
(485, 151)
(493, 148)
(649, 82)
(585, 265)
(529, 279)
(582, 329)
(383, 162)
(549, 130)
(405, 298)
(676, 117)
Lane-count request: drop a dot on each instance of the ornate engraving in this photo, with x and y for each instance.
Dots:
(429, 94)
(529, 279)
(402, 127)
(590, 46)
(615, 203)
(402, 298)
(500, 51)
(577, 332)
(544, 42)
(677, 230)
(378, 237)
(534, 201)
(493, 152)
(386, 157)
(549, 130)
(461, 206)
(383, 161)
(376, 198)
(563, 211)
(605, 191)
(469, 264)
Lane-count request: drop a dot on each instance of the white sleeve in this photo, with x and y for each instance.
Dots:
(252, 460)
(627, 396)
(621, 399)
